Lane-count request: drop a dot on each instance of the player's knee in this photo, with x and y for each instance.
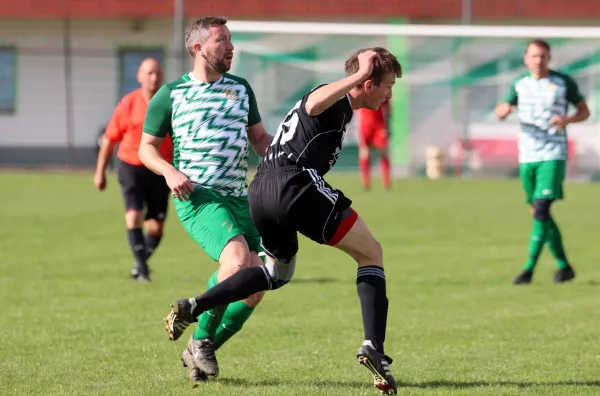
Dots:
(280, 272)
(541, 209)
(363, 152)
(154, 227)
(134, 218)
(235, 258)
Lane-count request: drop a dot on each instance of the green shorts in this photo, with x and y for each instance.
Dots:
(212, 220)
(543, 180)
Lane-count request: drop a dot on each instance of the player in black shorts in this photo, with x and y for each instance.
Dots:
(289, 195)
(145, 194)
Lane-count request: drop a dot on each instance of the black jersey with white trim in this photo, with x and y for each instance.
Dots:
(309, 142)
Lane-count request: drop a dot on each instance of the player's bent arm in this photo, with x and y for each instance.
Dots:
(582, 114)
(106, 151)
(150, 155)
(260, 140)
(323, 98)
(502, 110)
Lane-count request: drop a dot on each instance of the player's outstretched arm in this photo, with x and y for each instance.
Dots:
(259, 139)
(323, 98)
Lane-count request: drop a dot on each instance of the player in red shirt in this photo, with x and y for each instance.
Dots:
(142, 189)
(374, 133)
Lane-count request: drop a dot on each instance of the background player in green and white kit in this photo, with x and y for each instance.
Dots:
(211, 117)
(541, 98)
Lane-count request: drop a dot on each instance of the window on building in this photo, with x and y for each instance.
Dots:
(129, 62)
(8, 80)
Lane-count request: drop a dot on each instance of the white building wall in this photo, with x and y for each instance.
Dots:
(40, 119)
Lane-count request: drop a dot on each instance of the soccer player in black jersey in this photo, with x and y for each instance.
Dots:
(289, 195)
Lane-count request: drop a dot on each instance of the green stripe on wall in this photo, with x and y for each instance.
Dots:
(400, 105)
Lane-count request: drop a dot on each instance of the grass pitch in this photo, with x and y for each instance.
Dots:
(74, 324)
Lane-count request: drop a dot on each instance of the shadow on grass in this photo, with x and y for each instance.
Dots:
(278, 382)
(490, 384)
(315, 280)
(422, 385)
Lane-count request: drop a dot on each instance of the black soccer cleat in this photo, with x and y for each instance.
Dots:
(140, 274)
(196, 375)
(202, 355)
(180, 317)
(524, 278)
(564, 275)
(379, 365)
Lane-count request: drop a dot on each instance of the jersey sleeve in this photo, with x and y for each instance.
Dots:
(573, 94)
(305, 98)
(117, 126)
(158, 115)
(253, 114)
(511, 96)
(341, 105)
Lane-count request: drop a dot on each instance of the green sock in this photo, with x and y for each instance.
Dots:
(554, 241)
(536, 242)
(235, 316)
(209, 321)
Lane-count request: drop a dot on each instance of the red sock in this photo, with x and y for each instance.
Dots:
(385, 171)
(364, 165)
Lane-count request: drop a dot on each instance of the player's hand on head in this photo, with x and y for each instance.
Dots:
(365, 62)
(180, 185)
(100, 181)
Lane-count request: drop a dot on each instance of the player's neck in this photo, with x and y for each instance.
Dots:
(541, 74)
(205, 74)
(147, 95)
(354, 99)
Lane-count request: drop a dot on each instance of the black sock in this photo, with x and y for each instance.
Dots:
(152, 242)
(238, 286)
(370, 284)
(138, 246)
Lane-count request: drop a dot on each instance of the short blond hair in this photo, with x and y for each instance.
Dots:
(199, 31)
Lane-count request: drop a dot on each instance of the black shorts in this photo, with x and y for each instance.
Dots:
(143, 188)
(288, 200)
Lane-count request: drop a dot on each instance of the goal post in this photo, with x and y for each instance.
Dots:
(453, 77)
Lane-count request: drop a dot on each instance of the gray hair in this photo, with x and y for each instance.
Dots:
(199, 31)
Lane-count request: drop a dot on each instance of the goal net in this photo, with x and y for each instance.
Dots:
(453, 78)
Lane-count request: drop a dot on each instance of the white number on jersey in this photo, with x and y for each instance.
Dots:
(287, 128)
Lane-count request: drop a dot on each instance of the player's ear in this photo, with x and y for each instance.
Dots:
(368, 85)
(198, 48)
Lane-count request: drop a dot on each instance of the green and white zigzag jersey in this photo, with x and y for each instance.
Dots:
(208, 123)
(537, 102)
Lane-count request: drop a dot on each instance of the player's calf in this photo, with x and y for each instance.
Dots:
(239, 286)
(370, 280)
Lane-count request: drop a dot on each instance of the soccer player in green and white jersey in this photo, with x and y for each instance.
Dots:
(211, 117)
(541, 98)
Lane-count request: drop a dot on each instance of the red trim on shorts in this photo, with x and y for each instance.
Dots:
(345, 226)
